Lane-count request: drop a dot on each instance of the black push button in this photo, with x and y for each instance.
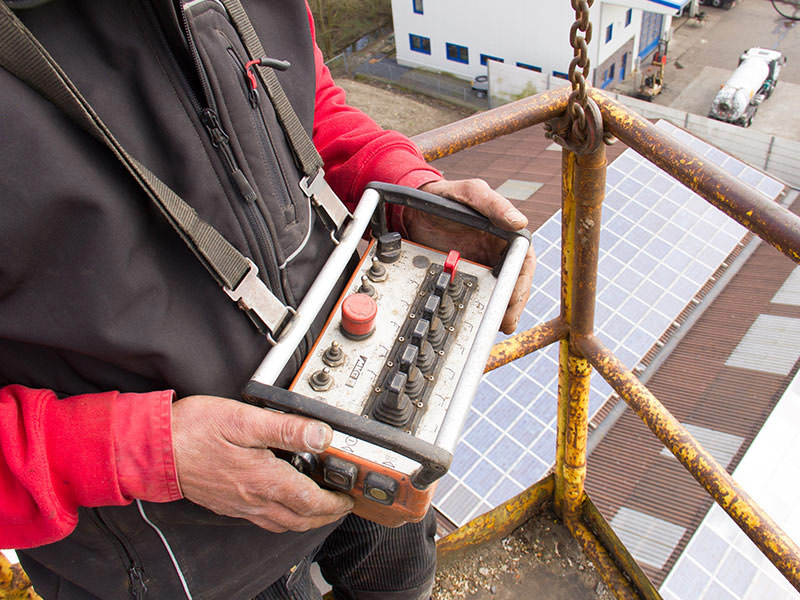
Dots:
(380, 488)
(339, 473)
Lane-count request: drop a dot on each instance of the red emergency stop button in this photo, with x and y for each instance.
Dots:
(358, 316)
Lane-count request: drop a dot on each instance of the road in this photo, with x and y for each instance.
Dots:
(702, 57)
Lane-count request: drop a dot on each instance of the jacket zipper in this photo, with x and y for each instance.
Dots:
(136, 579)
(221, 141)
(273, 166)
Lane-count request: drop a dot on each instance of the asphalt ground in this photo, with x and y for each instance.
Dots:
(702, 55)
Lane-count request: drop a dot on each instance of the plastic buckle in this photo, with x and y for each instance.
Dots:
(262, 306)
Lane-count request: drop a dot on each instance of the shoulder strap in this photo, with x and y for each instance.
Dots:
(330, 208)
(23, 56)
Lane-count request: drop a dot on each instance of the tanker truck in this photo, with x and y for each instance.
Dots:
(753, 81)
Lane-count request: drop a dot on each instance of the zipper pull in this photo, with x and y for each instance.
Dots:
(138, 587)
(221, 141)
(211, 121)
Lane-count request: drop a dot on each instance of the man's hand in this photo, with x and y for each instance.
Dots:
(224, 464)
(475, 245)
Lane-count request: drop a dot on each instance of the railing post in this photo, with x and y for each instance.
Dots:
(583, 190)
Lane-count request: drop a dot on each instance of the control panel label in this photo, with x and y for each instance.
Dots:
(356, 372)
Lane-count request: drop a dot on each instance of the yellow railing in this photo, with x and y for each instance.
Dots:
(583, 188)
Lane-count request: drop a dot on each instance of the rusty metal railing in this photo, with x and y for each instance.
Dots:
(583, 188)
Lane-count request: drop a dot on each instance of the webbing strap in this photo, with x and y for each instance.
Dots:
(23, 56)
(307, 154)
(331, 209)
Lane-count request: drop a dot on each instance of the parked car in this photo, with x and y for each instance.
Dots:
(480, 85)
(752, 82)
(727, 4)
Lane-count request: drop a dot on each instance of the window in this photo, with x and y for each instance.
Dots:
(609, 32)
(560, 75)
(628, 16)
(611, 71)
(529, 67)
(418, 7)
(420, 44)
(457, 53)
(485, 57)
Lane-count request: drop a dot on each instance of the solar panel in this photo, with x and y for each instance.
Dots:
(659, 245)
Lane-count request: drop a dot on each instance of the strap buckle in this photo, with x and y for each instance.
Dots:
(252, 295)
(330, 208)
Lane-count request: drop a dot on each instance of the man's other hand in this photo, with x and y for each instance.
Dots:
(475, 245)
(224, 464)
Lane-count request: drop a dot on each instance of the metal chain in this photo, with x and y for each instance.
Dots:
(579, 67)
(580, 128)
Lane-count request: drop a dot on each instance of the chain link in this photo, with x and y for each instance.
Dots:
(580, 128)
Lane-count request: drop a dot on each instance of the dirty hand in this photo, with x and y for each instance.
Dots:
(475, 245)
(224, 464)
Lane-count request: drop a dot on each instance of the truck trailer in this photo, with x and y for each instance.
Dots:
(752, 82)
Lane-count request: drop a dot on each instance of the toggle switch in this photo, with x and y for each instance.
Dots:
(440, 286)
(430, 308)
(451, 264)
(426, 356)
(376, 271)
(333, 355)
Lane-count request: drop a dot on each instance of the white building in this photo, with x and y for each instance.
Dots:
(459, 36)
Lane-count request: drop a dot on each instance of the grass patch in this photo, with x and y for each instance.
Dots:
(340, 23)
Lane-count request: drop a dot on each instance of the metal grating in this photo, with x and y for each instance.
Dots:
(722, 446)
(772, 345)
(790, 290)
(659, 245)
(650, 540)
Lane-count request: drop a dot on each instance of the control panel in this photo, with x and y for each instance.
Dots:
(396, 367)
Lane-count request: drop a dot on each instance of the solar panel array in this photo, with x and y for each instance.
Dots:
(659, 245)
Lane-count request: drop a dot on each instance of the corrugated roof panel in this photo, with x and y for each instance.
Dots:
(722, 446)
(772, 345)
(649, 539)
(790, 290)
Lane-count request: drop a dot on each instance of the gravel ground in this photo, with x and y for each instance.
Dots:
(403, 111)
(538, 560)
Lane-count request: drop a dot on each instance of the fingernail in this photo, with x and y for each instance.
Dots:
(318, 436)
(514, 217)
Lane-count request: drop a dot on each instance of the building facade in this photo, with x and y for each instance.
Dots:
(460, 36)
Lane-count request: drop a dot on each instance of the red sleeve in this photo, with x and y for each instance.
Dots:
(92, 450)
(356, 150)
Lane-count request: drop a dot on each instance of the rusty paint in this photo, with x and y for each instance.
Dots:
(498, 522)
(568, 161)
(14, 583)
(594, 551)
(757, 524)
(526, 342)
(491, 124)
(617, 550)
(576, 435)
(767, 219)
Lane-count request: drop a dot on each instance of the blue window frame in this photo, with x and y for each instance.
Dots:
(628, 16)
(485, 57)
(560, 75)
(458, 53)
(529, 67)
(608, 76)
(419, 43)
(609, 32)
(418, 7)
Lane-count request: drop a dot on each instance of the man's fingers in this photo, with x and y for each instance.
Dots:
(303, 496)
(520, 295)
(255, 427)
(477, 194)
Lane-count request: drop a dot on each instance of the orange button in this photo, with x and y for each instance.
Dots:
(358, 315)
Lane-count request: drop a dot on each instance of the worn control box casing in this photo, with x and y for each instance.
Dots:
(395, 376)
